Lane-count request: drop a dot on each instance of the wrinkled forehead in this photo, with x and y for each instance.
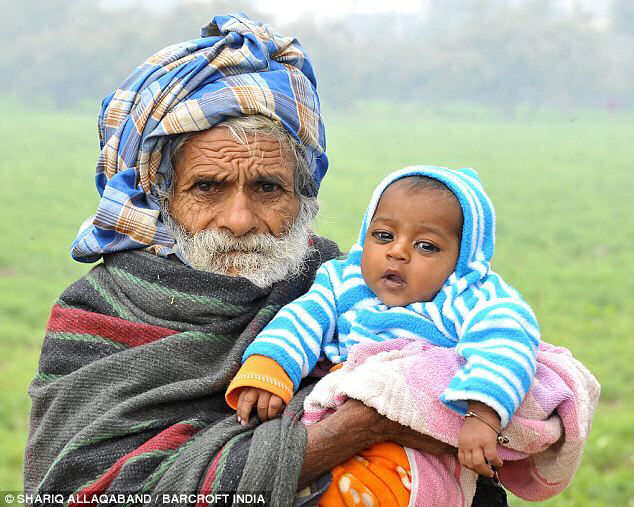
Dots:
(222, 151)
(227, 140)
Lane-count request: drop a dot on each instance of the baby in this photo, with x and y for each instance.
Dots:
(420, 270)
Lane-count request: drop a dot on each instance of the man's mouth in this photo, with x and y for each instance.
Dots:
(393, 279)
(239, 251)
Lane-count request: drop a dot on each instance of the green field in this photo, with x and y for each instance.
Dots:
(563, 187)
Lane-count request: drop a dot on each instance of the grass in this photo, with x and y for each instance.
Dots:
(562, 187)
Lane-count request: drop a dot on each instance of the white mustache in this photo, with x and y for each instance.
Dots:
(225, 242)
(262, 258)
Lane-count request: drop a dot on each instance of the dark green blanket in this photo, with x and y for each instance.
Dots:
(129, 396)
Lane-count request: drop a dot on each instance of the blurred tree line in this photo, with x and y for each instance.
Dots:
(496, 53)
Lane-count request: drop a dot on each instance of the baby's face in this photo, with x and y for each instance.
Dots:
(412, 244)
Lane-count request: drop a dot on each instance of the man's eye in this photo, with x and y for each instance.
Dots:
(382, 236)
(426, 247)
(206, 186)
(267, 187)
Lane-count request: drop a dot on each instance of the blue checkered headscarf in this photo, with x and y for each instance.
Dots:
(237, 68)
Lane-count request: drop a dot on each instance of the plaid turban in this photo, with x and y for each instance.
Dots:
(237, 68)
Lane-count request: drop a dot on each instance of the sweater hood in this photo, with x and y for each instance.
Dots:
(478, 229)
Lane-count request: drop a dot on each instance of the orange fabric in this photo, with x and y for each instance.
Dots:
(379, 476)
(262, 372)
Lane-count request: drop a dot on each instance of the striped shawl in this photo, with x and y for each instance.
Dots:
(129, 396)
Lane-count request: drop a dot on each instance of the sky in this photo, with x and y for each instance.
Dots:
(292, 10)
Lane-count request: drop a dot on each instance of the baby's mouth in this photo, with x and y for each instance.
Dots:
(393, 279)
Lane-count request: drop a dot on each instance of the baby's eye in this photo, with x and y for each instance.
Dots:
(382, 236)
(426, 247)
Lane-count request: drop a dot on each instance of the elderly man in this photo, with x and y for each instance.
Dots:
(212, 155)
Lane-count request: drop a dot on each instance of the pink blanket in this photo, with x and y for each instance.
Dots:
(403, 380)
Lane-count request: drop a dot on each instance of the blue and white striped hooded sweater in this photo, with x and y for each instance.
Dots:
(487, 320)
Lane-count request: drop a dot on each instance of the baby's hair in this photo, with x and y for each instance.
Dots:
(417, 182)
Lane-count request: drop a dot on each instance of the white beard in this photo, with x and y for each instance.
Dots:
(263, 259)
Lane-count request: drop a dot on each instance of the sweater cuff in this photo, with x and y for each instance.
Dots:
(261, 372)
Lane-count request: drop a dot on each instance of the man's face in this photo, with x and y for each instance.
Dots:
(235, 208)
(411, 245)
(240, 189)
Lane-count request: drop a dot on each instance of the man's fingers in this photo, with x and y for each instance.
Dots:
(408, 437)
(275, 406)
(263, 405)
(249, 399)
(491, 454)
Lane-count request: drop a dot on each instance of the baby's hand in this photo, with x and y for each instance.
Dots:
(268, 405)
(477, 442)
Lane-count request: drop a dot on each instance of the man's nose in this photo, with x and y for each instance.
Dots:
(238, 216)
(398, 251)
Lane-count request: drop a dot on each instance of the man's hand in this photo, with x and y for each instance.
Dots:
(391, 431)
(353, 428)
(268, 405)
(477, 442)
